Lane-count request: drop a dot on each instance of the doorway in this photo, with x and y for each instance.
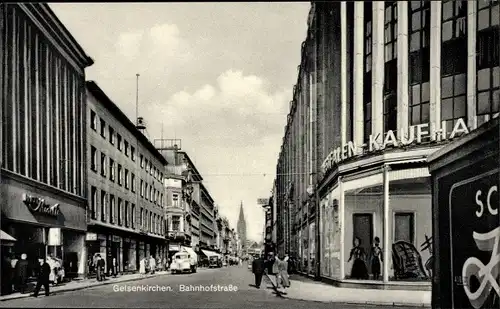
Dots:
(363, 229)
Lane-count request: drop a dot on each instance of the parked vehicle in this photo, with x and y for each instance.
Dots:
(215, 262)
(183, 262)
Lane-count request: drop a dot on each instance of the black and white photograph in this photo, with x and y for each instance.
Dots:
(335, 154)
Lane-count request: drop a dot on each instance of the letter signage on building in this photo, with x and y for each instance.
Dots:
(38, 205)
(475, 240)
(415, 135)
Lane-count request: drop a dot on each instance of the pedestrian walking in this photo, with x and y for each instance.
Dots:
(114, 267)
(282, 277)
(43, 278)
(258, 268)
(100, 266)
(22, 273)
(152, 264)
(142, 266)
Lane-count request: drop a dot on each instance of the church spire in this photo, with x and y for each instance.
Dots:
(242, 226)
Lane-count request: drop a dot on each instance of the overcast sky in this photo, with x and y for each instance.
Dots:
(219, 76)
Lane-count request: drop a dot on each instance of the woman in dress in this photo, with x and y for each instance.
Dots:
(359, 270)
(142, 266)
(377, 258)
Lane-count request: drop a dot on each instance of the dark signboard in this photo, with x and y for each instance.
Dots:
(38, 205)
(474, 240)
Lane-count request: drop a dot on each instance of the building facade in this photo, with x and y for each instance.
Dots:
(43, 156)
(126, 209)
(381, 86)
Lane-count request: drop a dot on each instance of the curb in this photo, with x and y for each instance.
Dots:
(360, 302)
(76, 288)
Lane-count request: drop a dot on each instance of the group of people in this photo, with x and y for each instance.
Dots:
(147, 265)
(359, 258)
(273, 265)
(16, 272)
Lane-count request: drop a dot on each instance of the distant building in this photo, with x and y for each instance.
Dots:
(242, 228)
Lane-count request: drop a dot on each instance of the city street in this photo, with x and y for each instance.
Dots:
(237, 276)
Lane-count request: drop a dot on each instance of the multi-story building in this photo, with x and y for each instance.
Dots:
(125, 183)
(381, 86)
(207, 219)
(42, 132)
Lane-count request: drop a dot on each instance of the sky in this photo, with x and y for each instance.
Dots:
(218, 76)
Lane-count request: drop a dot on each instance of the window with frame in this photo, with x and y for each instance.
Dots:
(93, 120)
(150, 222)
(111, 135)
(93, 160)
(404, 227)
(176, 223)
(487, 60)
(103, 128)
(104, 166)
(126, 148)
(93, 202)
(111, 169)
(119, 141)
(453, 62)
(147, 191)
(367, 78)
(132, 182)
(132, 153)
(150, 168)
(132, 216)
(142, 161)
(120, 179)
(161, 200)
(147, 165)
(126, 179)
(419, 62)
(127, 214)
(391, 65)
(119, 212)
(112, 209)
(142, 217)
(151, 196)
(175, 200)
(104, 206)
(142, 188)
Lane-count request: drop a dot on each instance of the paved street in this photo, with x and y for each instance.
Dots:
(240, 277)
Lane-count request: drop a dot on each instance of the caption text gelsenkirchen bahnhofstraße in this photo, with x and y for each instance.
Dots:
(178, 288)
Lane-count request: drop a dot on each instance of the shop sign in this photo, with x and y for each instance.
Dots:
(38, 205)
(415, 135)
(55, 238)
(91, 236)
(475, 241)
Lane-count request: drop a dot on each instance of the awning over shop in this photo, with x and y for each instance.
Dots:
(6, 237)
(209, 253)
(190, 251)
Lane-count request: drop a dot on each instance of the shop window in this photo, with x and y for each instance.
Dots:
(119, 142)
(487, 61)
(93, 120)
(367, 79)
(132, 153)
(93, 203)
(119, 212)
(93, 159)
(104, 166)
(120, 175)
(176, 221)
(126, 179)
(111, 135)
(111, 169)
(404, 227)
(132, 182)
(103, 128)
(112, 213)
(104, 205)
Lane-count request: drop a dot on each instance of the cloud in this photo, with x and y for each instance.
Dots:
(128, 44)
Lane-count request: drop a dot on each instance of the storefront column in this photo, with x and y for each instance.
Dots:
(83, 258)
(342, 228)
(387, 233)
(471, 65)
(435, 63)
(358, 73)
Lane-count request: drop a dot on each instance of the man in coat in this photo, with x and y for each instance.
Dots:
(43, 277)
(22, 273)
(258, 268)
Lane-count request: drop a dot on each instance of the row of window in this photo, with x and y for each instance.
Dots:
(124, 178)
(123, 145)
(115, 210)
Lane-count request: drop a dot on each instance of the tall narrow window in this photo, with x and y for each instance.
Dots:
(391, 66)
(126, 148)
(453, 62)
(367, 78)
(112, 212)
(93, 120)
(104, 206)
(103, 128)
(132, 182)
(488, 55)
(126, 179)
(93, 202)
(120, 212)
(142, 218)
(132, 216)
(132, 153)
(119, 141)
(111, 135)
(419, 62)
(111, 169)
(93, 159)
(142, 188)
(120, 175)
(127, 214)
(103, 165)
(142, 161)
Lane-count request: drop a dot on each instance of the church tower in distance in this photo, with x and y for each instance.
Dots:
(242, 229)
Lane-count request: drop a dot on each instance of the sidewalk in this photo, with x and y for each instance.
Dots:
(85, 283)
(321, 292)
